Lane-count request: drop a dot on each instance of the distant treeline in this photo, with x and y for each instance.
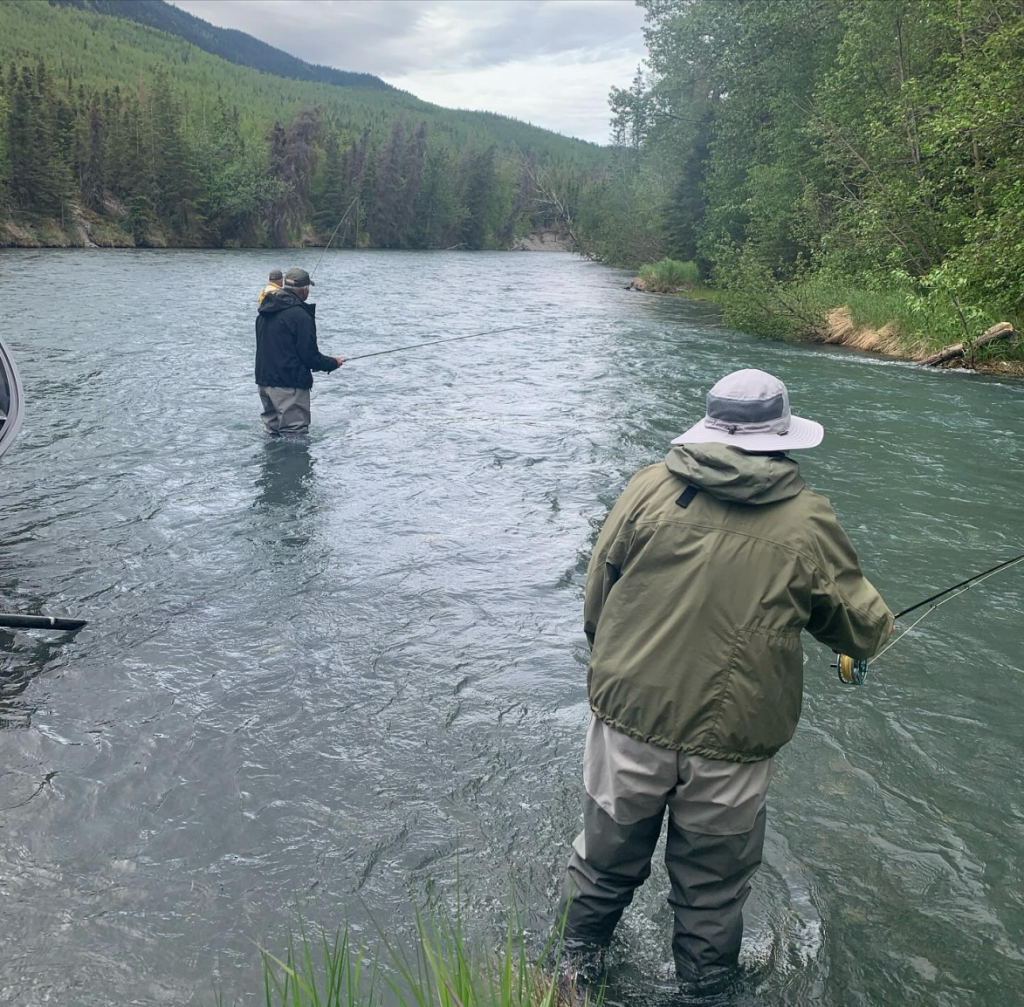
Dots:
(864, 143)
(170, 175)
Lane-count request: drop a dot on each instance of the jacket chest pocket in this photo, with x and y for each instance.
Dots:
(761, 699)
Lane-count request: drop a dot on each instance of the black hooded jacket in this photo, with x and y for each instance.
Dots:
(286, 350)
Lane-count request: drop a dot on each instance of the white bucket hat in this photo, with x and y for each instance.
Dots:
(749, 410)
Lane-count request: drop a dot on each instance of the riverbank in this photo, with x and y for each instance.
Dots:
(896, 323)
(81, 229)
(113, 229)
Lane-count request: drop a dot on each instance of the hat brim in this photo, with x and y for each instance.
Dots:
(802, 434)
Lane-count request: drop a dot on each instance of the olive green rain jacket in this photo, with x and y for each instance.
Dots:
(694, 612)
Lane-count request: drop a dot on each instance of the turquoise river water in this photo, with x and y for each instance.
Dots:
(322, 677)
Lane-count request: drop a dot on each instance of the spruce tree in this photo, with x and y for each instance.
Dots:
(415, 154)
(330, 199)
(478, 193)
(388, 190)
(92, 174)
(365, 203)
(115, 141)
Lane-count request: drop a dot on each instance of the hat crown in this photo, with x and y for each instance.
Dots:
(749, 410)
(749, 383)
(749, 401)
(297, 278)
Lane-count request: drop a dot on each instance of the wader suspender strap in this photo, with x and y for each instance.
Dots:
(686, 497)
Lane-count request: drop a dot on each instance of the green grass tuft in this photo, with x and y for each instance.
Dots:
(325, 970)
(668, 276)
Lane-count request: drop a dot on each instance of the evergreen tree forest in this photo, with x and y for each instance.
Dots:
(798, 147)
(116, 133)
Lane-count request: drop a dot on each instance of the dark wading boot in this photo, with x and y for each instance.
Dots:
(581, 972)
(708, 986)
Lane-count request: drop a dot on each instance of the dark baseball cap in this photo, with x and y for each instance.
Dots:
(275, 274)
(297, 278)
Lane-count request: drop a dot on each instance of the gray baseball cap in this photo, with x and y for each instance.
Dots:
(298, 278)
(749, 409)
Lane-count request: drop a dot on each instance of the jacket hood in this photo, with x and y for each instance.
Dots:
(735, 476)
(281, 299)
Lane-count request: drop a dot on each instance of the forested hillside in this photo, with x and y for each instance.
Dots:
(116, 133)
(234, 46)
(812, 154)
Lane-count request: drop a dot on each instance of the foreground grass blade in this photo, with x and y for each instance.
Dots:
(443, 973)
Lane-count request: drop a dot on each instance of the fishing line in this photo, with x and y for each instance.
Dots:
(331, 238)
(434, 342)
(492, 332)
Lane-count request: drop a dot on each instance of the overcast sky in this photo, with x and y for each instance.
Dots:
(550, 62)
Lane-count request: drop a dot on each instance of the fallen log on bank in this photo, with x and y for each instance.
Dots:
(999, 331)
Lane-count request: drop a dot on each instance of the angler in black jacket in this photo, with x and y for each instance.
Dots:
(287, 354)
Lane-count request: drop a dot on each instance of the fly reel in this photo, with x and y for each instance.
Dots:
(852, 671)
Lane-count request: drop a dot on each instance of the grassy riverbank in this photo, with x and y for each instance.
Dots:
(901, 320)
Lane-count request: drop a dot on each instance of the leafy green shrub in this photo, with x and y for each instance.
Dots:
(763, 305)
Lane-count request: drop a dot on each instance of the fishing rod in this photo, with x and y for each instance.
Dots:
(472, 335)
(434, 342)
(9, 620)
(963, 583)
(853, 671)
(344, 216)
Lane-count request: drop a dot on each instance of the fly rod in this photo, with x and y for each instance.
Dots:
(12, 621)
(963, 584)
(434, 342)
(344, 217)
(853, 671)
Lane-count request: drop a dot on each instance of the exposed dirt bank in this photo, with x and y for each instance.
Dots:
(544, 241)
(840, 330)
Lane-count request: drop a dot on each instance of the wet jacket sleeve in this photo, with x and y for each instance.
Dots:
(306, 346)
(606, 564)
(847, 613)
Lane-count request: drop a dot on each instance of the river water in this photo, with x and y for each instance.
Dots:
(323, 677)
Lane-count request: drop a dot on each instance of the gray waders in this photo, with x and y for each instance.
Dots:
(285, 410)
(716, 829)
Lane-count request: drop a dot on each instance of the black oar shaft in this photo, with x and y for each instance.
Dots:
(963, 583)
(432, 342)
(12, 621)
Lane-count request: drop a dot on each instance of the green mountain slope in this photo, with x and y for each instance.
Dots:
(97, 50)
(234, 46)
(117, 132)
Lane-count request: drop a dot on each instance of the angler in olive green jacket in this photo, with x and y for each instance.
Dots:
(707, 570)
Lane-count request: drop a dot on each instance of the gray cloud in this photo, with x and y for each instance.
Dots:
(398, 36)
(551, 62)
